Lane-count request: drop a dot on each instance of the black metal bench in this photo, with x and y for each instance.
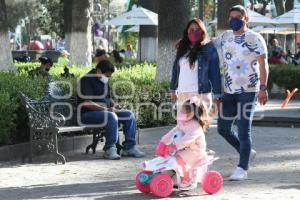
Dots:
(45, 126)
(49, 117)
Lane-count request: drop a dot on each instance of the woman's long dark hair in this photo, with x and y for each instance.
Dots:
(184, 45)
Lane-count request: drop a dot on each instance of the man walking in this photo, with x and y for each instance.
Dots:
(244, 54)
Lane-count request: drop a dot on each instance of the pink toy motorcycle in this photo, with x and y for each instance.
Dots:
(161, 173)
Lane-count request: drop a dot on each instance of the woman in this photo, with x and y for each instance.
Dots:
(129, 52)
(196, 68)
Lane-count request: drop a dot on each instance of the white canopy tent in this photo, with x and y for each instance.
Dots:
(291, 18)
(137, 17)
(133, 29)
(256, 19)
(275, 30)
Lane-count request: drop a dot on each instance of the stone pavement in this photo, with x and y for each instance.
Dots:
(274, 174)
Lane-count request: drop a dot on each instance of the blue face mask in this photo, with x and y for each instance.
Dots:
(236, 24)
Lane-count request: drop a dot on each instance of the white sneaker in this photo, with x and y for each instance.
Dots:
(133, 152)
(188, 186)
(252, 155)
(111, 154)
(238, 174)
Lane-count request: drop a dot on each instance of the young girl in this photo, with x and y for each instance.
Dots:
(187, 138)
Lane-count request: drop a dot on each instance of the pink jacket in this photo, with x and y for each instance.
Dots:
(193, 137)
(193, 141)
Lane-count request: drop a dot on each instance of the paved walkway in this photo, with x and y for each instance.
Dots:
(274, 175)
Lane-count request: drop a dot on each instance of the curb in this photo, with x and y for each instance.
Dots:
(278, 122)
(66, 144)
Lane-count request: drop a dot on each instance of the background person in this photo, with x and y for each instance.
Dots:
(100, 55)
(98, 108)
(43, 69)
(63, 59)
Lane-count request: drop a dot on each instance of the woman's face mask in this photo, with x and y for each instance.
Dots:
(195, 37)
(195, 34)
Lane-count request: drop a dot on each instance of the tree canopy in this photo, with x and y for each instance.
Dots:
(38, 16)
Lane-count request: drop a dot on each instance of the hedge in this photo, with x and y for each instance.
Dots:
(146, 91)
(285, 76)
(12, 120)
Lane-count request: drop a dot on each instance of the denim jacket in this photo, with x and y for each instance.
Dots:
(209, 78)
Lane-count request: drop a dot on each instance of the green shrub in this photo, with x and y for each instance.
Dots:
(10, 85)
(285, 76)
(7, 117)
(24, 68)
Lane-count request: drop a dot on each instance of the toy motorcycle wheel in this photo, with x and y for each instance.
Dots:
(161, 185)
(143, 187)
(212, 182)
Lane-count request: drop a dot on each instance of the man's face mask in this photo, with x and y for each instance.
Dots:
(236, 24)
(104, 79)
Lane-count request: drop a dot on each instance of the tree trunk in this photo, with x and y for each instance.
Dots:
(214, 9)
(201, 9)
(280, 7)
(81, 37)
(6, 61)
(252, 5)
(223, 12)
(289, 5)
(290, 39)
(148, 34)
(172, 19)
(68, 22)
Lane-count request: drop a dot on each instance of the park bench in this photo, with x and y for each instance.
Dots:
(49, 117)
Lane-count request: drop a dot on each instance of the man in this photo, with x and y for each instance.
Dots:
(46, 64)
(275, 48)
(244, 55)
(98, 109)
(100, 55)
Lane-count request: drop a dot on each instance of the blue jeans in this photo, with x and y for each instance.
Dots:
(110, 121)
(239, 108)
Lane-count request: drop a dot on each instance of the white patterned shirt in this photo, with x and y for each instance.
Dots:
(241, 68)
